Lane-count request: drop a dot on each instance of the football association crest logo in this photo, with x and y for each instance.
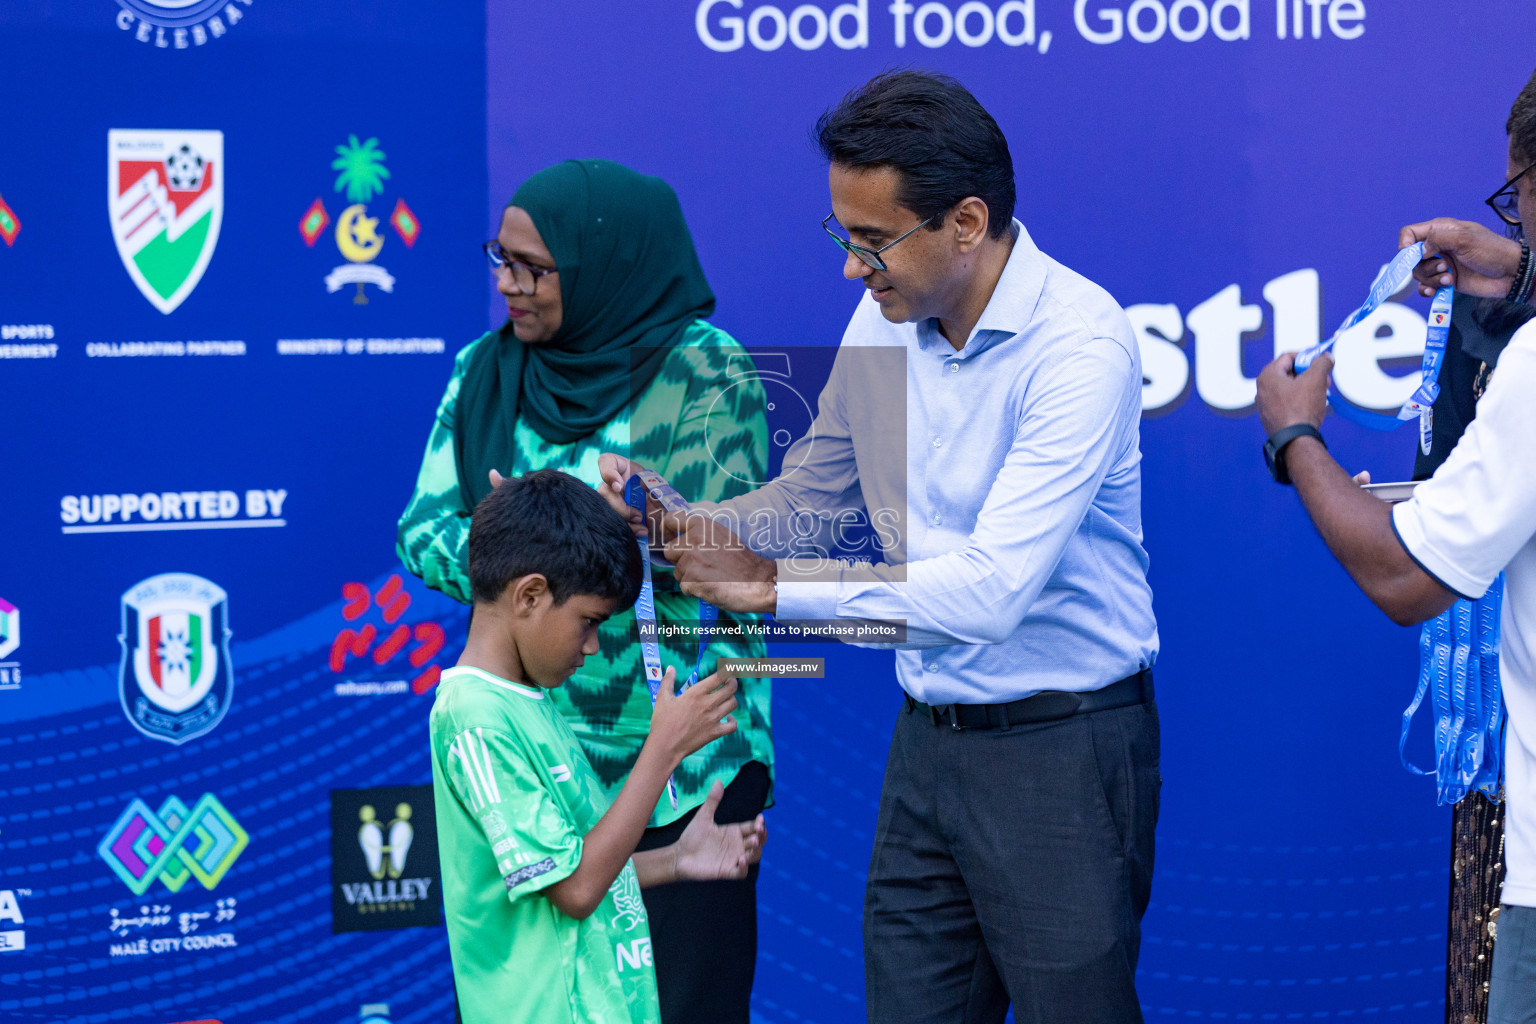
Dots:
(165, 192)
(176, 679)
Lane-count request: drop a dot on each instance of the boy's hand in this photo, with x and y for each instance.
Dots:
(683, 722)
(707, 851)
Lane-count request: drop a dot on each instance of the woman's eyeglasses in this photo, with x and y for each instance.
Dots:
(524, 275)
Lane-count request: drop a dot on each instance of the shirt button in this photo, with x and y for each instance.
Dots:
(932, 667)
(938, 442)
(938, 519)
(954, 367)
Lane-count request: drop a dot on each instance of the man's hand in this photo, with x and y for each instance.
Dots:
(707, 851)
(711, 563)
(615, 471)
(1287, 398)
(683, 722)
(1464, 254)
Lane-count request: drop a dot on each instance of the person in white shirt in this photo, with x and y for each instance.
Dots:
(1474, 518)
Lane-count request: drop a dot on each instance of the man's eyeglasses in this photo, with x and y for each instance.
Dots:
(870, 257)
(1506, 201)
(524, 275)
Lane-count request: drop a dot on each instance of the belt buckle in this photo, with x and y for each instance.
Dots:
(938, 711)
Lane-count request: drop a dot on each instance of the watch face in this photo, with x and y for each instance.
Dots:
(1269, 459)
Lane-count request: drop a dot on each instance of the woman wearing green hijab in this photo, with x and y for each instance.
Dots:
(606, 348)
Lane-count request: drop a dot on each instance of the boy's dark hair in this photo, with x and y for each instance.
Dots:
(931, 130)
(1521, 126)
(550, 523)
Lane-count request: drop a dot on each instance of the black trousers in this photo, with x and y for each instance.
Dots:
(704, 934)
(1012, 866)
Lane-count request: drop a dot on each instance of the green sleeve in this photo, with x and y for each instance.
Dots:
(719, 446)
(533, 840)
(433, 536)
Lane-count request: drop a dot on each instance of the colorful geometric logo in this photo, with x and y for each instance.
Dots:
(165, 193)
(361, 177)
(10, 627)
(10, 224)
(173, 844)
(176, 679)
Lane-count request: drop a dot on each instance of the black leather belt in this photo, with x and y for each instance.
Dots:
(1045, 706)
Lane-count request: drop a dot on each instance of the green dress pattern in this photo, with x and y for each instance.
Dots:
(706, 433)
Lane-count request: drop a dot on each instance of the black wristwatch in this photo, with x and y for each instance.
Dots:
(1274, 448)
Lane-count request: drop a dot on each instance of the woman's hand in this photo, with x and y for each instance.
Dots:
(707, 850)
(616, 471)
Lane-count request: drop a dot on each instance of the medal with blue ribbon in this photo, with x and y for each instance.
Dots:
(635, 489)
(1459, 674)
(1394, 277)
(1459, 649)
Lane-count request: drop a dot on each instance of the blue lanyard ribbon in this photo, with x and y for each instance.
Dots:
(1459, 673)
(635, 489)
(1393, 278)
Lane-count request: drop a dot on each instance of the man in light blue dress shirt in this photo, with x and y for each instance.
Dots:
(984, 408)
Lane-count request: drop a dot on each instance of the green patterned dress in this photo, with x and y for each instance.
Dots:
(707, 435)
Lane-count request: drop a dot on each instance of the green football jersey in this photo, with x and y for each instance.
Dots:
(706, 431)
(515, 797)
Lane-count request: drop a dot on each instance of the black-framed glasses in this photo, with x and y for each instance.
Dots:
(524, 275)
(869, 257)
(1506, 201)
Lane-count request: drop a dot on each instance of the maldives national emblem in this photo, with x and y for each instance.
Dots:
(176, 679)
(165, 193)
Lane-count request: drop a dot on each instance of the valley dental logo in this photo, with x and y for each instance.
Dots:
(377, 837)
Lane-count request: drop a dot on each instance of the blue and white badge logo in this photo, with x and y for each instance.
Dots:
(13, 938)
(179, 24)
(176, 679)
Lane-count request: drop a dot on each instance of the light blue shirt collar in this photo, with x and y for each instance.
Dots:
(1010, 308)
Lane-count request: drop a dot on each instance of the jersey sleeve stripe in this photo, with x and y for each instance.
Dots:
(472, 761)
(477, 798)
(490, 775)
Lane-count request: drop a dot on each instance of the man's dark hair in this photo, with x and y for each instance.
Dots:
(930, 129)
(549, 522)
(1521, 125)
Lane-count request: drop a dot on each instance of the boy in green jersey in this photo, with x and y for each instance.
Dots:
(541, 882)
